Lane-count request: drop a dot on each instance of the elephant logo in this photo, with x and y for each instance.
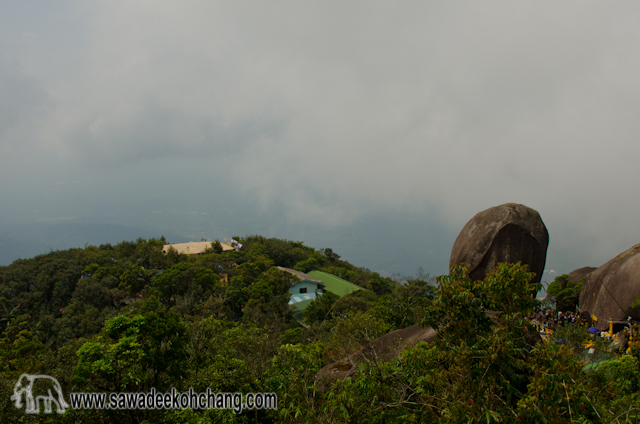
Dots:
(38, 388)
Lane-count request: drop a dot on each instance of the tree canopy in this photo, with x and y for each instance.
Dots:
(129, 317)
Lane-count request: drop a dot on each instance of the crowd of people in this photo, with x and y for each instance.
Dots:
(548, 321)
(551, 319)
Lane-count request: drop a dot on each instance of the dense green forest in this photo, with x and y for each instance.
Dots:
(129, 318)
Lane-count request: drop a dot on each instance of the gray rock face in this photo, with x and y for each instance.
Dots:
(505, 233)
(609, 290)
(578, 274)
(384, 348)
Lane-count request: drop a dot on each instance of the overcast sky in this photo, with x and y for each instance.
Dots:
(341, 124)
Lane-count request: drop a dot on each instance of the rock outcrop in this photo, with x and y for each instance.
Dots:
(578, 274)
(609, 290)
(506, 233)
(384, 348)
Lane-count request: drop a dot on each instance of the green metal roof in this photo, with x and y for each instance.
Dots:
(334, 284)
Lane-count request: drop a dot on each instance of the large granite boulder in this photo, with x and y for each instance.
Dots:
(506, 233)
(384, 348)
(609, 290)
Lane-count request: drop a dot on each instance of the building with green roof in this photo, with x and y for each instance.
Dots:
(335, 285)
(312, 284)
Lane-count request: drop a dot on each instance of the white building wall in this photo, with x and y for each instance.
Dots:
(311, 287)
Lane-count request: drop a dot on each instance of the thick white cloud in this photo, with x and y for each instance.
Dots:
(325, 112)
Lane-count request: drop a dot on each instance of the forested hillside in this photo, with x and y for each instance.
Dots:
(129, 318)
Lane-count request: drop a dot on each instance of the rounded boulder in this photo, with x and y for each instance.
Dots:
(609, 291)
(507, 233)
